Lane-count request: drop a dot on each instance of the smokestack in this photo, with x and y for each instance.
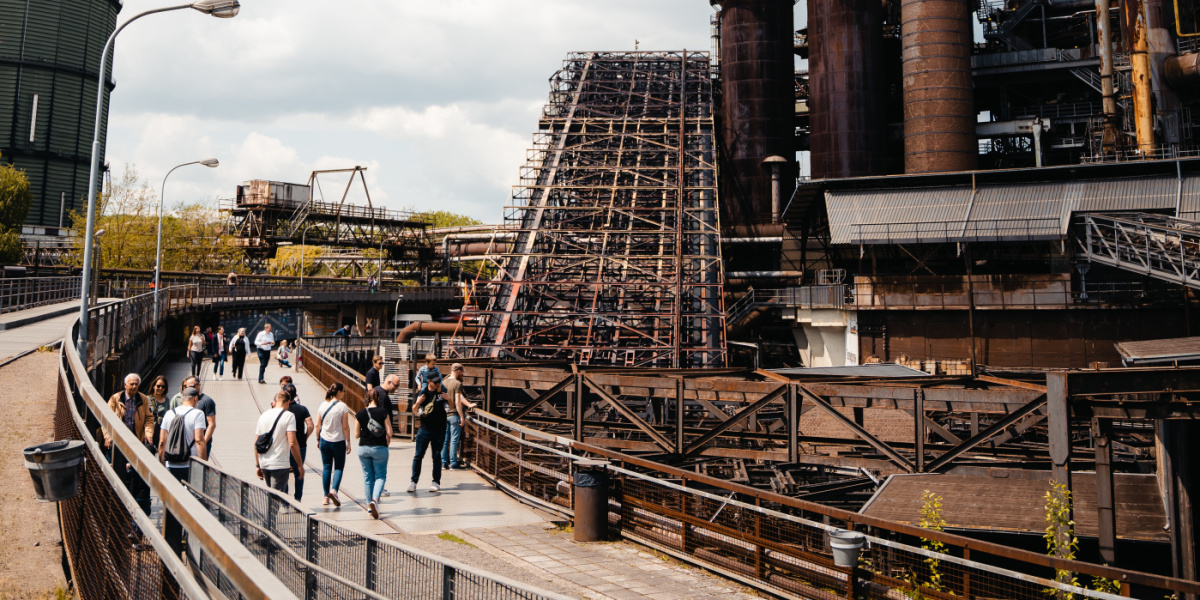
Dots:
(757, 105)
(939, 101)
(845, 91)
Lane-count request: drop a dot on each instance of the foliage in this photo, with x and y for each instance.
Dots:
(1060, 534)
(931, 518)
(288, 261)
(15, 200)
(445, 218)
(193, 236)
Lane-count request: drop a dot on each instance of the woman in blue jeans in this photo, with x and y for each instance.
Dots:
(333, 423)
(372, 428)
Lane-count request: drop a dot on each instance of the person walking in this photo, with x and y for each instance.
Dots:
(239, 347)
(374, 435)
(459, 406)
(373, 373)
(193, 423)
(333, 427)
(205, 403)
(304, 427)
(133, 409)
(196, 345)
(159, 403)
(219, 347)
(283, 354)
(264, 342)
(231, 280)
(432, 409)
(272, 465)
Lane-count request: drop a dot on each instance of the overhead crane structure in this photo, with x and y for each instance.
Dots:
(611, 252)
(266, 215)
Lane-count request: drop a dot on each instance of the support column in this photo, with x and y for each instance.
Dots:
(1059, 427)
(680, 442)
(919, 427)
(793, 417)
(579, 406)
(1105, 504)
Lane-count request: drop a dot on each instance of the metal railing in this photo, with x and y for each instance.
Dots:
(317, 559)
(1157, 246)
(329, 370)
(808, 297)
(781, 544)
(31, 292)
(981, 230)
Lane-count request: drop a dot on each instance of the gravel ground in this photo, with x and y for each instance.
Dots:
(30, 543)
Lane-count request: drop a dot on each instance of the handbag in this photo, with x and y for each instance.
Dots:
(264, 440)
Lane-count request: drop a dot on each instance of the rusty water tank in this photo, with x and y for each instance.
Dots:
(758, 105)
(846, 131)
(939, 101)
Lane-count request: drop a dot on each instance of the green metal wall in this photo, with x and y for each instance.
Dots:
(51, 48)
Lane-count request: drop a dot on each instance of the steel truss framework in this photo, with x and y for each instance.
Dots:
(616, 258)
(1153, 245)
(260, 224)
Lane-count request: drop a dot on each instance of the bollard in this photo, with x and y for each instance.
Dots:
(591, 500)
(54, 467)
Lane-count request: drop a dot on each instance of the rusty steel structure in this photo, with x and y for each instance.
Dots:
(266, 215)
(939, 100)
(613, 253)
(757, 106)
(845, 81)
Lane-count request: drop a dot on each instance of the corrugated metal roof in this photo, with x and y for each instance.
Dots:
(1160, 351)
(996, 212)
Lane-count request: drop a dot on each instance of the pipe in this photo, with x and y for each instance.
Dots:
(775, 163)
(1133, 24)
(1109, 102)
(1182, 72)
(763, 274)
(412, 329)
(752, 240)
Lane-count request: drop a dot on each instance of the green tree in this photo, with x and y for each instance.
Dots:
(15, 200)
(445, 218)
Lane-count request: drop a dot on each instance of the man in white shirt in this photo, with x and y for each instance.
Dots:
(194, 424)
(274, 465)
(264, 342)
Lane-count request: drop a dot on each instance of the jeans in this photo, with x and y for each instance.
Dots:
(172, 530)
(264, 358)
(425, 438)
(374, 461)
(133, 482)
(238, 364)
(450, 446)
(197, 360)
(219, 363)
(277, 479)
(303, 454)
(333, 457)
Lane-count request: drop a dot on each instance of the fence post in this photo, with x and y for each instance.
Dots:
(270, 561)
(447, 582)
(371, 581)
(310, 554)
(243, 529)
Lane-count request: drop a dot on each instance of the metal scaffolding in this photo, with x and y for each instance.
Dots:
(615, 253)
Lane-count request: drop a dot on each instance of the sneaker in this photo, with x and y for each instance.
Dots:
(334, 499)
(412, 488)
(436, 487)
(385, 492)
(373, 510)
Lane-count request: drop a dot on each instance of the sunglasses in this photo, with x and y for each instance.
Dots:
(160, 386)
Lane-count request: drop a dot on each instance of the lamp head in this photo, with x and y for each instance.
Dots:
(224, 9)
(211, 163)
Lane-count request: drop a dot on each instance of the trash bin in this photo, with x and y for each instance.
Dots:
(591, 500)
(55, 468)
(846, 545)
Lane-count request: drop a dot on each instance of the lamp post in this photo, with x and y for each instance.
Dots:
(223, 9)
(211, 163)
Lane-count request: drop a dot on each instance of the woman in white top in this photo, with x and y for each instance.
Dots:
(283, 354)
(333, 423)
(196, 345)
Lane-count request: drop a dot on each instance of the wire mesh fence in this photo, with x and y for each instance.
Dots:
(782, 545)
(319, 560)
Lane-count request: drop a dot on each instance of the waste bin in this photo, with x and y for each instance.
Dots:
(55, 468)
(846, 546)
(591, 500)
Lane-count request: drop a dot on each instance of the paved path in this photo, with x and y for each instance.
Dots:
(468, 507)
(16, 337)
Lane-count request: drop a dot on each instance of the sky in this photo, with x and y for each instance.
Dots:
(438, 99)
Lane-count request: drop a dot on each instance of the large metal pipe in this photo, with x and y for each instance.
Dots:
(846, 129)
(939, 101)
(1182, 72)
(1109, 101)
(1135, 36)
(757, 104)
(413, 329)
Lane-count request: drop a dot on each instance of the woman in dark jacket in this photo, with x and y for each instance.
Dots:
(239, 346)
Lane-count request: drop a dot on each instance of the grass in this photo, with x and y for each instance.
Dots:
(450, 537)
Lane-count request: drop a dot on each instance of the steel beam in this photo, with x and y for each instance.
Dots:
(646, 428)
(1106, 515)
(887, 451)
(983, 436)
(735, 419)
(543, 397)
(1059, 427)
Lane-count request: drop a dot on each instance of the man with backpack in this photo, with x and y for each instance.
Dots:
(432, 409)
(182, 438)
(275, 441)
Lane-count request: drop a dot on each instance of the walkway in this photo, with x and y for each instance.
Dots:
(27, 330)
(478, 524)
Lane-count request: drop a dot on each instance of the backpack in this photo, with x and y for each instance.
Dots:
(178, 448)
(264, 440)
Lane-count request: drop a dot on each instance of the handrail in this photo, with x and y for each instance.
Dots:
(235, 560)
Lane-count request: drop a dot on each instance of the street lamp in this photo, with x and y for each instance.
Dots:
(211, 163)
(222, 9)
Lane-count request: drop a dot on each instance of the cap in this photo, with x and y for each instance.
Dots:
(190, 392)
(435, 378)
(456, 367)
